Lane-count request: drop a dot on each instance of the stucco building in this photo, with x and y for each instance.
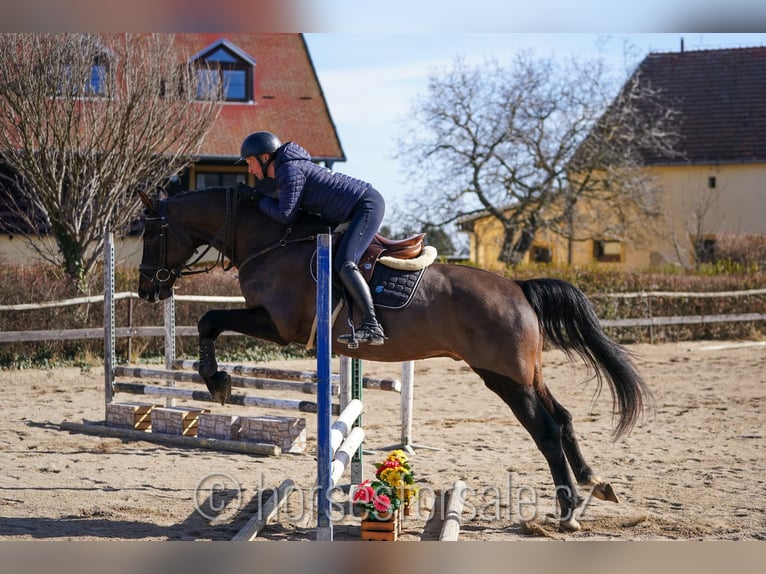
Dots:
(716, 187)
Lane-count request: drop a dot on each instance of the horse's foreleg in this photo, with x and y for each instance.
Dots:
(254, 322)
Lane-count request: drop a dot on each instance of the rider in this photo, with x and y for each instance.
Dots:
(292, 183)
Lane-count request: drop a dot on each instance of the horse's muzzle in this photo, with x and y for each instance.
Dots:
(153, 291)
(155, 284)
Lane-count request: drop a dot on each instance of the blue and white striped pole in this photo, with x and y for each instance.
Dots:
(324, 387)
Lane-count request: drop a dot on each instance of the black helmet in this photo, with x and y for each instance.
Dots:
(257, 143)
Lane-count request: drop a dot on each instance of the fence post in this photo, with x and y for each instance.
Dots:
(408, 380)
(130, 327)
(357, 460)
(170, 342)
(109, 332)
(650, 316)
(345, 381)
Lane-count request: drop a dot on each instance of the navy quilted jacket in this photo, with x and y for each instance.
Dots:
(306, 186)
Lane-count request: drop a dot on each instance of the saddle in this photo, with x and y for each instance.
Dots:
(408, 248)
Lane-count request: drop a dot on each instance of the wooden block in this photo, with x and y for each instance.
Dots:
(176, 420)
(216, 425)
(377, 530)
(289, 433)
(379, 535)
(131, 415)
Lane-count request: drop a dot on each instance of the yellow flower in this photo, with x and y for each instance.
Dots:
(392, 477)
(398, 455)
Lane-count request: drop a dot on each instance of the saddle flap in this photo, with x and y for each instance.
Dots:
(407, 248)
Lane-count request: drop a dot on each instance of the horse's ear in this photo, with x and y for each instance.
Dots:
(146, 200)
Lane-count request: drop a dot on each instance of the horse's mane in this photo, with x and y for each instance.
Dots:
(305, 222)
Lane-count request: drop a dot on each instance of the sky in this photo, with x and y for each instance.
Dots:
(371, 80)
(373, 58)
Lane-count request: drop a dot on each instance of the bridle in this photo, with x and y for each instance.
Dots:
(161, 271)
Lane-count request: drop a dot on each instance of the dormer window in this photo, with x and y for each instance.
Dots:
(226, 65)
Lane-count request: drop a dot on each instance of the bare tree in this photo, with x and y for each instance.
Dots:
(85, 120)
(534, 145)
(699, 219)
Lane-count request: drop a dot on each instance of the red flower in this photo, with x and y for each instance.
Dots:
(382, 503)
(364, 493)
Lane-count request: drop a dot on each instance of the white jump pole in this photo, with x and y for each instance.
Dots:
(451, 525)
(344, 454)
(343, 425)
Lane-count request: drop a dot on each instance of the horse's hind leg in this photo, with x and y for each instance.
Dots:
(255, 322)
(546, 432)
(583, 472)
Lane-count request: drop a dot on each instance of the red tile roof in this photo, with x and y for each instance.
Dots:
(721, 95)
(288, 98)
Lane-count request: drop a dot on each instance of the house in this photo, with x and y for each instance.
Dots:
(714, 189)
(271, 84)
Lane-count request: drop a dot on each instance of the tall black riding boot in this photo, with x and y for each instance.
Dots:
(370, 332)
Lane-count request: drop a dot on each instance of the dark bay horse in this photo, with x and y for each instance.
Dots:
(494, 324)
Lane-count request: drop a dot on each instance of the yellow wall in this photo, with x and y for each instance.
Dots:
(17, 250)
(737, 205)
(127, 251)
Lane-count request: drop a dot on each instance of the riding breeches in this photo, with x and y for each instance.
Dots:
(363, 225)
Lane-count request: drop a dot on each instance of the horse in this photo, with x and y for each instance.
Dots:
(496, 325)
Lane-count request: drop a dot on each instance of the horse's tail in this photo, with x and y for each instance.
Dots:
(569, 321)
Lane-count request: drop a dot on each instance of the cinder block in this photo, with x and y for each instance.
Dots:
(213, 425)
(131, 415)
(289, 433)
(176, 420)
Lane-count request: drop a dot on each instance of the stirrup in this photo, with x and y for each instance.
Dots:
(371, 334)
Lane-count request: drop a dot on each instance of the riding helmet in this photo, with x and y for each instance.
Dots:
(257, 143)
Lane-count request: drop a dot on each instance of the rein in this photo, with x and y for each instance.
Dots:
(163, 274)
(229, 229)
(281, 243)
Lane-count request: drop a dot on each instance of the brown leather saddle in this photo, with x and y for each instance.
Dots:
(408, 248)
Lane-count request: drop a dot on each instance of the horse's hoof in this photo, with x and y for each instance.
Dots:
(604, 491)
(601, 490)
(219, 386)
(570, 525)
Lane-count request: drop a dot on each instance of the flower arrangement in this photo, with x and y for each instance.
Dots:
(393, 486)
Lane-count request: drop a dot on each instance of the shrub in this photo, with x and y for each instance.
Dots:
(28, 284)
(598, 283)
(37, 283)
